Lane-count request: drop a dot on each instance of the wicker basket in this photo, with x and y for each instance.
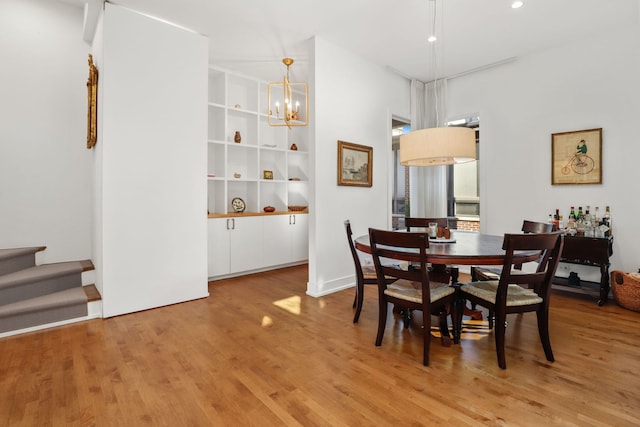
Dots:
(296, 208)
(626, 289)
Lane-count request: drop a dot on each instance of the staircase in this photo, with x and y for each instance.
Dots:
(35, 297)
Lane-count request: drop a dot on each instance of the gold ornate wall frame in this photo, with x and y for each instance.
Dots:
(92, 104)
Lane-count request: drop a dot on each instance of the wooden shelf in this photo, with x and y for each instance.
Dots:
(242, 214)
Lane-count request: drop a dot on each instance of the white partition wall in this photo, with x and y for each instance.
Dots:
(151, 227)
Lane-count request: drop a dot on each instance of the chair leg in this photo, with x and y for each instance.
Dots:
(474, 278)
(382, 322)
(406, 317)
(358, 301)
(490, 318)
(499, 331)
(426, 338)
(456, 317)
(444, 326)
(543, 330)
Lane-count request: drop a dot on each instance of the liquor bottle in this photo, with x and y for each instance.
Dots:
(606, 220)
(556, 219)
(571, 222)
(587, 216)
(551, 220)
(580, 216)
(560, 222)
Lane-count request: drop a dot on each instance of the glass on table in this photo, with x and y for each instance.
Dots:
(433, 230)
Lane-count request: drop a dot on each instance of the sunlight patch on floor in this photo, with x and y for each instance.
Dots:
(291, 304)
(266, 321)
(473, 330)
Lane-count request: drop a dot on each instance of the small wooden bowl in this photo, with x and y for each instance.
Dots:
(269, 209)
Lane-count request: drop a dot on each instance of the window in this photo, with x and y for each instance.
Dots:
(463, 194)
(463, 189)
(400, 184)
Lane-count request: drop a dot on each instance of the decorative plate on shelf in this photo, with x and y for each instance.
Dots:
(238, 204)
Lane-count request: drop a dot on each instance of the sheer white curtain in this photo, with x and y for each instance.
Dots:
(428, 184)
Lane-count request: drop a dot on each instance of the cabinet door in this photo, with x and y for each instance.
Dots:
(277, 240)
(218, 244)
(245, 244)
(299, 237)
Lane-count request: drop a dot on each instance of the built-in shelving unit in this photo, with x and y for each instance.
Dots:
(253, 240)
(239, 104)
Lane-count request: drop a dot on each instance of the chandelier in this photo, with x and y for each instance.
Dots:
(288, 102)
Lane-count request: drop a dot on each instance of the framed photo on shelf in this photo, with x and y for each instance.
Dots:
(576, 157)
(355, 163)
(267, 174)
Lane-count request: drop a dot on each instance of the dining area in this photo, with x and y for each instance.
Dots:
(417, 270)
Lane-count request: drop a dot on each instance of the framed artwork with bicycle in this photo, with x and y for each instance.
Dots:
(576, 157)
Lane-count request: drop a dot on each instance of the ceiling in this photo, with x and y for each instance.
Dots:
(252, 36)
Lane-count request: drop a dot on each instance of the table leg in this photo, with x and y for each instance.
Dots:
(604, 284)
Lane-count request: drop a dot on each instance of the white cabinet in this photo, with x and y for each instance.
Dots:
(245, 244)
(218, 246)
(235, 245)
(286, 239)
(276, 239)
(300, 238)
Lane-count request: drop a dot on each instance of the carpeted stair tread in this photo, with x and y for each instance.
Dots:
(13, 252)
(40, 280)
(54, 307)
(15, 259)
(40, 272)
(56, 299)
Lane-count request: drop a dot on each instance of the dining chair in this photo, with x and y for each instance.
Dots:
(412, 290)
(440, 273)
(489, 273)
(507, 295)
(365, 275)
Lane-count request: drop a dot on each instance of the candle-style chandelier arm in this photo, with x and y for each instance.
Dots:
(288, 102)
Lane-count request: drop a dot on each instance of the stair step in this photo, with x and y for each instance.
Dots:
(53, 307)
(42, 279)
(15, 259)
(92, 293)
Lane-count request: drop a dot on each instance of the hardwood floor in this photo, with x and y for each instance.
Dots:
(259, 351)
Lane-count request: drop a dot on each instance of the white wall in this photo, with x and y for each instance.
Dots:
(45, 167)
(591, 83)
(153, 161)
(353, 100)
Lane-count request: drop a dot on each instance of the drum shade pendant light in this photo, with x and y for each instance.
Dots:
(440, 145)
(288, 102)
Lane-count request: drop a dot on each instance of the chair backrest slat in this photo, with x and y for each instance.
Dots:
(550, 247)
(394, 245)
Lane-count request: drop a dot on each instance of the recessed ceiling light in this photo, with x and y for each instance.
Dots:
(431, 39)
(517, 4)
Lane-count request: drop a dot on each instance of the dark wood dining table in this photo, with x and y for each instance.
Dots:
(463, 248)
(467, 248)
